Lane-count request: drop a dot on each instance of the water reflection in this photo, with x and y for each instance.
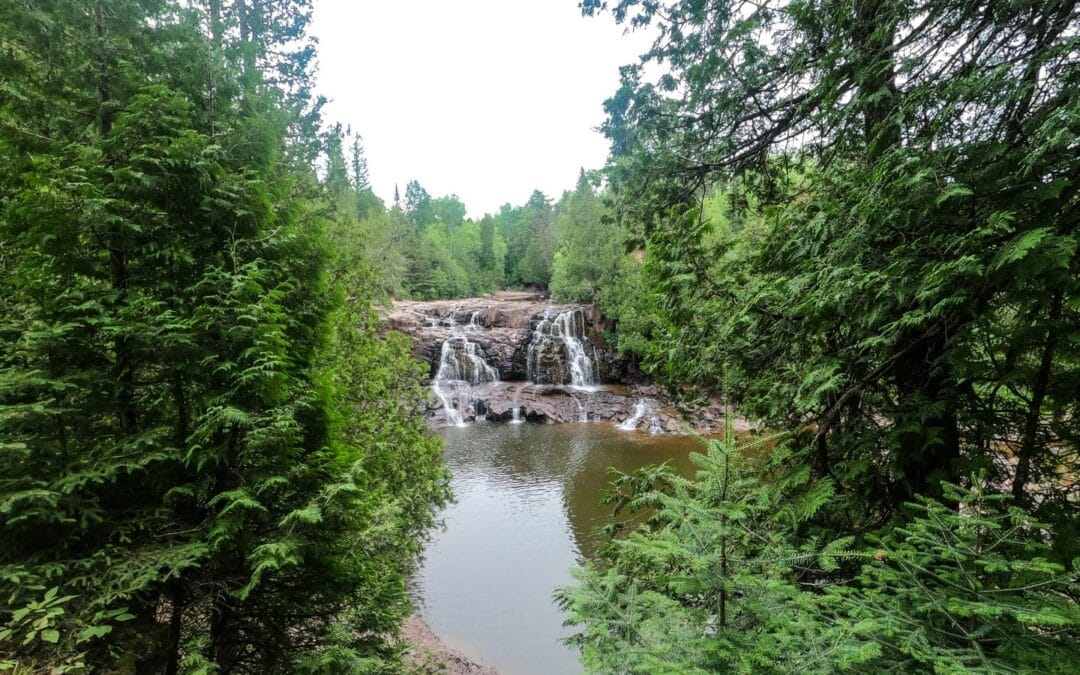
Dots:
(527, 510)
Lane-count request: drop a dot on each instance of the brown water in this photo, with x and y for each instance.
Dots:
(527, 510)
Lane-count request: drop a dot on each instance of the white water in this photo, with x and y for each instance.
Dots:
(461, 367)
(644, 407)
(583, 412)
(567, 328)
(515, 409)
(557, 342)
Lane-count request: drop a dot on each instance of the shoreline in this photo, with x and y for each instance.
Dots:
(426, 653)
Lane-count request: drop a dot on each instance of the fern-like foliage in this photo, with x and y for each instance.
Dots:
(713, 581)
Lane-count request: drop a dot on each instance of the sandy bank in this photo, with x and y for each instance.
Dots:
(428, 654)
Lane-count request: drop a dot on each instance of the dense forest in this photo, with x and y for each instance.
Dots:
(210, 458)
(430, 250)
(859, 222)
(855, 222)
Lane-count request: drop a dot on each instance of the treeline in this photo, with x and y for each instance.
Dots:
(859, 222)
(210, 459)
(429, 249)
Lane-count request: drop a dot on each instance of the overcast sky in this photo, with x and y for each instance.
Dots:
(486, 99)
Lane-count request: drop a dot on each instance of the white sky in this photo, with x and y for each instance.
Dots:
(486, 99)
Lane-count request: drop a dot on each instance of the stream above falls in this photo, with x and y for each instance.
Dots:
(527, 510)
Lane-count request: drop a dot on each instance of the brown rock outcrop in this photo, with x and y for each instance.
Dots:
(521, 337)
(502, 325)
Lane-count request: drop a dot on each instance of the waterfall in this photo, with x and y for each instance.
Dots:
(644, 407)
(515, 408)
(583, 412)
(460, 359)
(568, 329)
(461, 366)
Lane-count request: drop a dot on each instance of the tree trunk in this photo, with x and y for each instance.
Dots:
(1038, 395)
(872, 38)
(176, 625)
(215, 24)
(928, 450)
(117, 245)
(248, 36)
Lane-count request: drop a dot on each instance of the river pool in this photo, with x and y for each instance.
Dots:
(527, 510)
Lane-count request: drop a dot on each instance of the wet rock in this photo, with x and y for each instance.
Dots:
(558, 404)
(503, 325)
(550, 364)
(499, 330)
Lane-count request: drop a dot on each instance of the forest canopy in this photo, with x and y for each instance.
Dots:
(855, 223)
(858, 221)
(211, 460)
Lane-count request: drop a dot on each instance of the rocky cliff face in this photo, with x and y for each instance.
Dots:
(518, 357)
(502, 326)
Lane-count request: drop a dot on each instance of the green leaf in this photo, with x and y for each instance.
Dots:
(93, 632)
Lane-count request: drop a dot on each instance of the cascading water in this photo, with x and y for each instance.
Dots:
(460, 359)
(515, 408)
(583, 412)
(644, 407)
(566, 328)
(461, 367)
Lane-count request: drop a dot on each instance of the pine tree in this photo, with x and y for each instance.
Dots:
(360, 178)
(590, 245)
(198, 424)
(906, 168)
(712, 581)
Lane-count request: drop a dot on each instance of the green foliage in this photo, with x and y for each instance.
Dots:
(903, 278)
(418, 206)
(449, 210)
(530, 236)
(707, 583)
(856, 221)
(590, 245)
(629, 299)
(711, 581)
(438, 273)
(429, 250)
(965, 590)
(210, 458)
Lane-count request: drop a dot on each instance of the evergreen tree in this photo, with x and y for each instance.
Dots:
(367, 204)
(491, 263)
(855, 221)
(360, 178)
(337, 173)
(712, 583)
(590, 245)
(210, 459)
(918, 253)
(532, 243)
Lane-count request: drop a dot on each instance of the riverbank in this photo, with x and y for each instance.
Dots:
(428, 654)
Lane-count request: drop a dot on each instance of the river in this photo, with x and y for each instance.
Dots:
(527, 510)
